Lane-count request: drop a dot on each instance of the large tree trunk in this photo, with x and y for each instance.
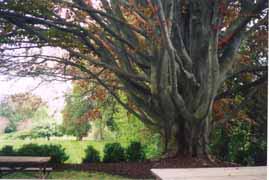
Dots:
(185, 139)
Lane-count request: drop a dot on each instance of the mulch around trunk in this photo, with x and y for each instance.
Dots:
(141, 170)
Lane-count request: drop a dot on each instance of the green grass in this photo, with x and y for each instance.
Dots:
(78, 175)
(75, 149)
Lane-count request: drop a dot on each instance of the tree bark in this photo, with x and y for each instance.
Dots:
(189, 140)
(79, 138)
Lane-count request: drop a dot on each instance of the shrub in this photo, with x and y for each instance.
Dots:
(7, 151)
(92, 155)
(113, 152)
(56, 152)
(9, 129)
(238, 144)
(30, 150)
(135, 152)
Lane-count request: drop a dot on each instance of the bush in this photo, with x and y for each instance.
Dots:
(56, 152)
(7, 151)
(113, 152)
(238, 144)
(30, 150)
(135, 152)
(10, 129)
(92, 155)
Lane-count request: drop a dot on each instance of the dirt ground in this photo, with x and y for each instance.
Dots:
(142, 169)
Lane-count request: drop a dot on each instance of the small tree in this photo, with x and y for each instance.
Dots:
(46, 131)
(75, 116)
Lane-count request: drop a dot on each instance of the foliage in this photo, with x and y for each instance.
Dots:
(5, 109)
(92, 155)
(23, 106)
(128, 128)
(101, 107)
(135, 152)
(240, 110)
(240, 144)
(114, 152)
(10, 128)
(257, 111)
(75, 115)
(56, 152)
(7, 151)
(105, 122)
(45, 131)
(42, 117)
(241, 117)
(237, 144)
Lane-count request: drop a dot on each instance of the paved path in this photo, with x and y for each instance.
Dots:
(233, 173)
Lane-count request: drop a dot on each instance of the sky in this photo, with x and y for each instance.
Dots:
(50, 92)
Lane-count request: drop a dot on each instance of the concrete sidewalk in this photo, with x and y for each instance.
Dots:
(233, 173)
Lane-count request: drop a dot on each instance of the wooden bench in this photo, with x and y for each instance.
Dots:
(232, 173)
(11, 164)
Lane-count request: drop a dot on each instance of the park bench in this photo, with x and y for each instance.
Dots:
(12, 164)
(231, 173)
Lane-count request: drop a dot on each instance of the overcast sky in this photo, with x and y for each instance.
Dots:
(50, 92)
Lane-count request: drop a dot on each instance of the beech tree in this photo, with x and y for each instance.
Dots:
(169, 56)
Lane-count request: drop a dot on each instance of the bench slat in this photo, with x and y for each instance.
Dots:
(23, 159)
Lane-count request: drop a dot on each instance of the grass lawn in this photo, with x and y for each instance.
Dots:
(75, 149)
(78, 175)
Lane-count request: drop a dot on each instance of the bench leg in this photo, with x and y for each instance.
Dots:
(44, 173)
(1, 173)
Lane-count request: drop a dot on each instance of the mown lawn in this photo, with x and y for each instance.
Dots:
(75, 149)
(78, 175)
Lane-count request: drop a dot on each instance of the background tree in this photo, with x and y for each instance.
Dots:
(19, 107)
(170, 57)
(47, 130)
(75, 115)
(97, 109)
